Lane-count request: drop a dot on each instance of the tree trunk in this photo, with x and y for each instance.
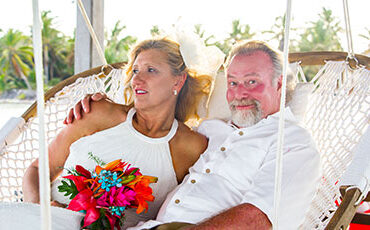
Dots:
(46, 64)
(20, 74)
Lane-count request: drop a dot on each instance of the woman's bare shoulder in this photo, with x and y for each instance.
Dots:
(198, 142)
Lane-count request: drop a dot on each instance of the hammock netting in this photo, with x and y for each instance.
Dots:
(337, 115)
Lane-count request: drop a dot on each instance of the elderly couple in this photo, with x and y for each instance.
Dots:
(219, 177)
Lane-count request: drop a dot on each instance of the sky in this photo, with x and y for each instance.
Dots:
(216, 16)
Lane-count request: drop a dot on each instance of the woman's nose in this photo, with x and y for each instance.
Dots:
(137, 78)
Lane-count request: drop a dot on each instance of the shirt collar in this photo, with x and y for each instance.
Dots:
(289, 116)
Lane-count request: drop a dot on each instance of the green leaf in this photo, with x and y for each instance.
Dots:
(69, 189)
(97, 160)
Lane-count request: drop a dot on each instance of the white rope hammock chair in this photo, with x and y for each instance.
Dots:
(334, 107)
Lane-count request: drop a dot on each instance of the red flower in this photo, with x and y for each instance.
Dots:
(143, 194)
(79, 181)
(83, 171)
(84, 200)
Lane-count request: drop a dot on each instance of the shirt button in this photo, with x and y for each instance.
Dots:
(223, 149)
(193, 181)
(208, 170)
(177, 201)
(241, 133)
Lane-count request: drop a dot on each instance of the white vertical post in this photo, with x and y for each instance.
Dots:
(280, 143)
(90, 16)
(44, 176)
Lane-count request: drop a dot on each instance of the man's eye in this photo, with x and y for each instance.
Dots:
(232, 83)
(251, 82)
(150, 69)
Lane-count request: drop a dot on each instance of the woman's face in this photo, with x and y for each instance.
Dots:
(152, 81)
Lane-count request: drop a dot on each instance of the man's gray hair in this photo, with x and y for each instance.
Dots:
(250, 47)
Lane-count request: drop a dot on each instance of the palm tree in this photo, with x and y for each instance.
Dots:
(367, 37)
(201, 33)
(239, 32)
(16, 57)
(322, 34)
(116, 49)
(155, 31)
(55, 45)
(278, 31)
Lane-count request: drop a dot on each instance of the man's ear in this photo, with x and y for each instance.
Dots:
(180, 81)
(279, 82)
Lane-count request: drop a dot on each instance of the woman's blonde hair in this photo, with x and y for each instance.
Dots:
(195, 87)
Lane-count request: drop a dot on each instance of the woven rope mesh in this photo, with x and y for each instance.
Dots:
(18, 156)
(337, 115)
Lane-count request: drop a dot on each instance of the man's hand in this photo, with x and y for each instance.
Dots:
(82, 106)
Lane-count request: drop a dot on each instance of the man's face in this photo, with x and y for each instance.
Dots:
(251, 92)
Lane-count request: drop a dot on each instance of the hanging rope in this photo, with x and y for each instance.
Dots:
(44, 176)
(92, 33)
(351, 54)
(279, 153)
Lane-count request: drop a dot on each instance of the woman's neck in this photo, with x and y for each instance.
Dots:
(154, 123)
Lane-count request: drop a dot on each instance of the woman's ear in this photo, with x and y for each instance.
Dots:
(180, 81)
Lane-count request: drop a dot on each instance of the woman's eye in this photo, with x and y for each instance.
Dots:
(135, 71)
(150, 69)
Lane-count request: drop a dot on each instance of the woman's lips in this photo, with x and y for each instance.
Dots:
(140, 91)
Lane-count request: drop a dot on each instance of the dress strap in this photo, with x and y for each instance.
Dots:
(130, 115)
(166, 138)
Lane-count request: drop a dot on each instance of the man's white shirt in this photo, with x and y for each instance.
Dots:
(239, 167)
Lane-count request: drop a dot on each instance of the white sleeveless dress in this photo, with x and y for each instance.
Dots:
(151, 155)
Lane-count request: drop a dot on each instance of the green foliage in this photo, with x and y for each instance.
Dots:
(117, 49)
(366, 36)
(58, 50)
(278, 31)
(239, 33)
(15, 59)
(97, 160)
(321, 35)
(16, 53)
(155, 31)
(69, 189)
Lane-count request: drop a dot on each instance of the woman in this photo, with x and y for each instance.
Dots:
(149, 133)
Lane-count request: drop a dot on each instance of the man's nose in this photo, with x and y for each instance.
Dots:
(241, 92)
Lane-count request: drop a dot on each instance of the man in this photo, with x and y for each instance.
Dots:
(231, 186)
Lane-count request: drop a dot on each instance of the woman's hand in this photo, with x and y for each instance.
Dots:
(82, 106)
(57, 204)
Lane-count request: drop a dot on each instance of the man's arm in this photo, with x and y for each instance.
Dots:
(243, 216)
(82, 106)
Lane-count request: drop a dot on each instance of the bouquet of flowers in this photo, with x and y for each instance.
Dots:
(104, 194)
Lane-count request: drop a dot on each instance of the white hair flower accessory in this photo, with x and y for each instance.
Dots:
(197, 56)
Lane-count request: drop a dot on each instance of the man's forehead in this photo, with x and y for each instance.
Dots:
(249, 64)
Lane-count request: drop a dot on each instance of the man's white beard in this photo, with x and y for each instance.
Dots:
(245, 118)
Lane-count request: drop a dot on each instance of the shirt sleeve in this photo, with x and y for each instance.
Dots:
(299, 180)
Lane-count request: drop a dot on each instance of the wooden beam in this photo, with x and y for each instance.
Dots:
(346, 211)
(319, 58)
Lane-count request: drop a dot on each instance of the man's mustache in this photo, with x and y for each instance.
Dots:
(242, 102)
